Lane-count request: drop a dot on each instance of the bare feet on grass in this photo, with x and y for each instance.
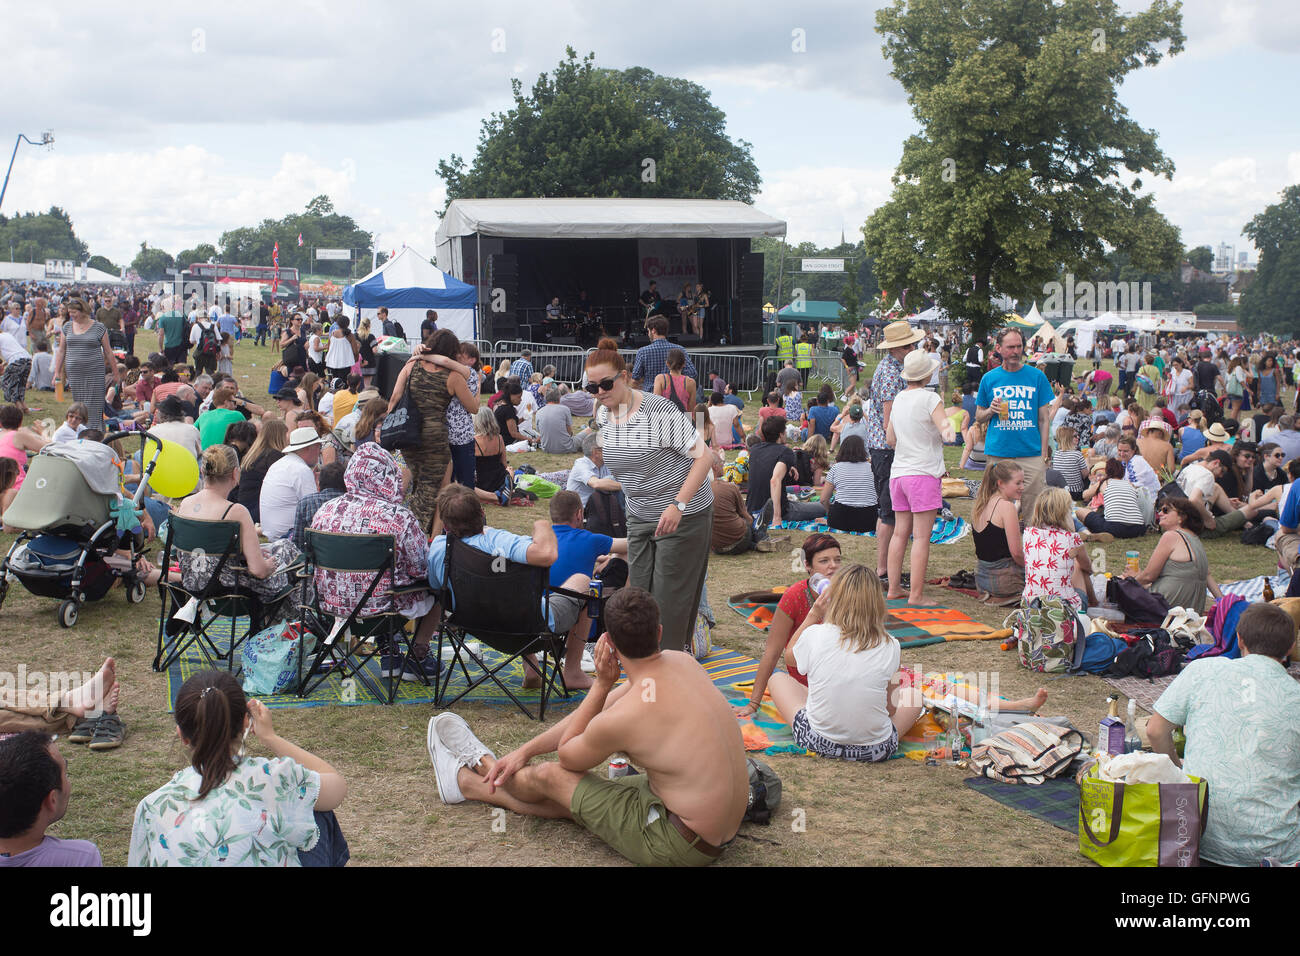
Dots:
(96, 691)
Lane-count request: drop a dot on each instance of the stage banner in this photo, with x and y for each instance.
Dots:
(670, 262)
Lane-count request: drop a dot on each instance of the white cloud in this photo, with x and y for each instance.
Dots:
(818, 202)
(173, 197)
(1211, 198)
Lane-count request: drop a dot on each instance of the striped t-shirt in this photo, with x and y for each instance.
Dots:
(1073, 468)
(650, 455)
(855, 485)
(1120, 502)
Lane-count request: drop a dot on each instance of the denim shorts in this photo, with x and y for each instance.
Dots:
(809, 739)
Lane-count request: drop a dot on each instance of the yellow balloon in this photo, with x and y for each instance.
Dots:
(176, 472)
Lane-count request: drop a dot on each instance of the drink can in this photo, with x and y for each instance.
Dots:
(593, 610)
(618, 767)
(1131, 562)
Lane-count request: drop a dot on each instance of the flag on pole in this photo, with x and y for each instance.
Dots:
(300, 238)
(275, 261)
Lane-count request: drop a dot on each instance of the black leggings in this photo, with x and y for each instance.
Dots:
(1097, 523)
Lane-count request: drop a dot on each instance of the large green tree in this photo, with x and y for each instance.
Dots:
(1202, 257)
(37, 236)
(1026, 163)
(1271, 300)
(319, 224)
(588, 132)
(203, 252)
(152, 264)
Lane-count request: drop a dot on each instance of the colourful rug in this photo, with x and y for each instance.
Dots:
(911, 626)
(1053, 801)
(944, 532)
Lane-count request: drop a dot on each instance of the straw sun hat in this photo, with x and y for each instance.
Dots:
(899, 333)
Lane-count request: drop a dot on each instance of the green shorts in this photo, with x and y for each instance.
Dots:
(619, 811)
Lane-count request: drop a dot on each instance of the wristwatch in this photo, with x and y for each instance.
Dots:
(680, 507)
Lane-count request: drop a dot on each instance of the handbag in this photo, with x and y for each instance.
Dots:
(271, 658)
(1048, 635)
(401, 427)
(1027, 753)
(1142, 824)
(1139, 605)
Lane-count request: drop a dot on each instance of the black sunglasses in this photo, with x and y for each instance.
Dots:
(595, 388)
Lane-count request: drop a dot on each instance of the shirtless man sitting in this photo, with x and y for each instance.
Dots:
(668, 719)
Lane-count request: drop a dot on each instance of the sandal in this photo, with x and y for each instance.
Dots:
(109, 733)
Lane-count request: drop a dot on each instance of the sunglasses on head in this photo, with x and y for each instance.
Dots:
(604, 385)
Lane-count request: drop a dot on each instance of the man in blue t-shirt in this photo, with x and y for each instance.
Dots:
(462, 516)
(1015, 399)
(582, 555)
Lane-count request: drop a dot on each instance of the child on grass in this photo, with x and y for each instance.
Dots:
(1056, 561)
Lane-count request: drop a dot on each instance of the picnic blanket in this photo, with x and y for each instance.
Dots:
(944, 531)
(1053, 801)
(1252, 589)
(1147, 691)
(910, 626)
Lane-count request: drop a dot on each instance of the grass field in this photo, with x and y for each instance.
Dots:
(895, 813)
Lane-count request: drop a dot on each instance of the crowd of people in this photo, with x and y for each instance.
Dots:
(650, 488)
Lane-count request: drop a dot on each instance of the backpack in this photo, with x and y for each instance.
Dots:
(764, 793)
(605, 515)
(1048, 635)
(1205, 402)
(1099, 652)
(1146, 384)
(209, 344)
(1153, 654)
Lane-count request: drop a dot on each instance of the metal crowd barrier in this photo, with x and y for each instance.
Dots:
(568, 360)
(744, 372)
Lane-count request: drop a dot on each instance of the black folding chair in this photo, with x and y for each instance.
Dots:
(219, 601)
(475, 606)
(346, 645)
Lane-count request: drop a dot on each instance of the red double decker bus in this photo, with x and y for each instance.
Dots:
(217, 272)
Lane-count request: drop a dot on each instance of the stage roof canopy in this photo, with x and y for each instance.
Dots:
(606, 219)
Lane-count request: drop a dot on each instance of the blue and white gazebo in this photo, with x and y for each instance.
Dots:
(408, 285)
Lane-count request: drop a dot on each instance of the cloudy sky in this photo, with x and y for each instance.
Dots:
(177, 121)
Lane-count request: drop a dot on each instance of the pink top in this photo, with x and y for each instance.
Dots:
(9, 450)
(1049, 564)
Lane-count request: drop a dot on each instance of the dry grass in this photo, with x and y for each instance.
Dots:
(899, 812)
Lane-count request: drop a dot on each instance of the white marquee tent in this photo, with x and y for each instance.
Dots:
(408, 285)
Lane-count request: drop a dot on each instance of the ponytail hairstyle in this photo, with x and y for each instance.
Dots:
(606, 353)
(218, 462)
(210, 711)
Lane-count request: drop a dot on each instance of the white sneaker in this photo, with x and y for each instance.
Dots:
(455, 736)
(446, 766)
(588, 663)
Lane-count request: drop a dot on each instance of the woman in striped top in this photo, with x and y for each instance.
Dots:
(663, 465)
(1068, 460)
(851, 481)
(1120, 515)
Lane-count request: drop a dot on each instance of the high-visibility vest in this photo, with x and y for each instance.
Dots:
(803, 355)
(784, 347)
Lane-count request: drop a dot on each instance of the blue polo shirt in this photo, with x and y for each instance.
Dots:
(1026, 390)
(822, 417)
(513, 547)
(578, 551)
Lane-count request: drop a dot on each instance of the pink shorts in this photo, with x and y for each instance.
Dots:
(916, 493)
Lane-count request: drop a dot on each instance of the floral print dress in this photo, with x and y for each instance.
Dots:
(262, 815)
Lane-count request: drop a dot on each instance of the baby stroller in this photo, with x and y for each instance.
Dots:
(68, 512)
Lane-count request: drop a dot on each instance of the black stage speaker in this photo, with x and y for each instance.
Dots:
(503, 274)
(748, 310)
(563, 340)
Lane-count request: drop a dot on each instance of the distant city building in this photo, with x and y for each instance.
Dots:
(1225, 258)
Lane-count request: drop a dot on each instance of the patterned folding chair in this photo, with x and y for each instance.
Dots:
(215, 601)
(346, 644)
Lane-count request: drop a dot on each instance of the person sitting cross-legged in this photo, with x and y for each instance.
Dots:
(668, 719)
(1243, 739)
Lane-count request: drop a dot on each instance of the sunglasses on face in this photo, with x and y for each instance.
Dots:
(604, 385)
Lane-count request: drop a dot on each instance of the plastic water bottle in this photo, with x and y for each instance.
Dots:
(818, 583)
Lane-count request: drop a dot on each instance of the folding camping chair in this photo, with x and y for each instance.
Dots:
(346, 644)
(473, 608)
(176, 634)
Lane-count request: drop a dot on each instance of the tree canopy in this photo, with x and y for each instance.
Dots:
(588, 132)
(817, 286)
(1026, 164)
(1269, 302)
(152, 264)
(320, 226)
(37, 236)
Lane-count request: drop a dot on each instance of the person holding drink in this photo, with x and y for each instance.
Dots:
(1015, 400)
